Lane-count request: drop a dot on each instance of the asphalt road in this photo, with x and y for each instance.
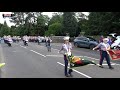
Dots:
(34, 61)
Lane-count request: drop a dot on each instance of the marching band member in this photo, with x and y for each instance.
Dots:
(104, 47)
(49, 44)
(9, 40)
(25, 40)
(66, 47)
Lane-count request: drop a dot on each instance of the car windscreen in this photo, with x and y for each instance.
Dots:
(91, 39)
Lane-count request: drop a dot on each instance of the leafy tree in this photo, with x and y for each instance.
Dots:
(69, 23)
(54, 29)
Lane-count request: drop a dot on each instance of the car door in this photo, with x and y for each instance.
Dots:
(80, 41)
(85, 42)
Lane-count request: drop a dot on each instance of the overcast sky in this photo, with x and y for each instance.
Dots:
(10, 24)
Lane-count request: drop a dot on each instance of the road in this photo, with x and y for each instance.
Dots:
(34, 61)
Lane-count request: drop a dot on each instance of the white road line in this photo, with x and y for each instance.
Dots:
(38, 53)
(98, 59)
(104, 64)
(54, 55)
(23, 46)
(76, 71)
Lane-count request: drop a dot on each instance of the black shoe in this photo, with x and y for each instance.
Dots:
(71, 75)
(101, 66)
(67, 75)
(111, 68)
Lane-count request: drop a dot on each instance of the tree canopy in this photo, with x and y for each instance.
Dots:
(62, 23)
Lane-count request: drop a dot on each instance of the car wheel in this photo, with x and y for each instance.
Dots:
(76, 44)
(92, 46)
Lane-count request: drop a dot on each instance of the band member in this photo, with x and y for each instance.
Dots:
(9, 40)
(25, 40)
(49, 44)
(66, 48)
(39, 40)
(104, 47)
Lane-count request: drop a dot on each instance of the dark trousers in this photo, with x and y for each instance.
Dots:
(104, 54)
(66, 65)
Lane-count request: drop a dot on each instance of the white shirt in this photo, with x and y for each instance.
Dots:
(66, 48)
(25, 38)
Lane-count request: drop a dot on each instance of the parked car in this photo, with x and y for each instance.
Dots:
(87, 42)
(116, 42)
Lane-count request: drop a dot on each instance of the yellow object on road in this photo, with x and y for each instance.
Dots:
(2, 64)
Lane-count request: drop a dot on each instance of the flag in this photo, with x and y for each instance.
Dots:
(77, 61)
(114, 54)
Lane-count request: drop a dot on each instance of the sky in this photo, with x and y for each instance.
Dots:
(10, 24)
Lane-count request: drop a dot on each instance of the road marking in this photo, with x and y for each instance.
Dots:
(22, 46)
(55, 55)
(98, 59)
(104, 64)
(76, 71)
(38, 53)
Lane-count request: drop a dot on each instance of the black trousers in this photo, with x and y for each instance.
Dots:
(66, 72)
(104, 54)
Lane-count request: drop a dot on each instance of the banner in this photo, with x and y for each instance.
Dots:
(77, 62)
(114, 54)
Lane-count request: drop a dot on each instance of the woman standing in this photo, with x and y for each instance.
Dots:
(66, 48)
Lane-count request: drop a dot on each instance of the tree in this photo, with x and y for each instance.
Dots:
(42, 22)
(5, 30)
(103, 23)
(56, 18)
(69, 23)
(54, 29)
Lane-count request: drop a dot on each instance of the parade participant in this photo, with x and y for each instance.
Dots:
(9, 40)
(109, 40)
(49, 44)
(18, 38)
(104, 46)
(0, 39)
(39, 40)
(25, 40)
(5, 39)
(66, 48)
(46, 41)
(101, 38)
